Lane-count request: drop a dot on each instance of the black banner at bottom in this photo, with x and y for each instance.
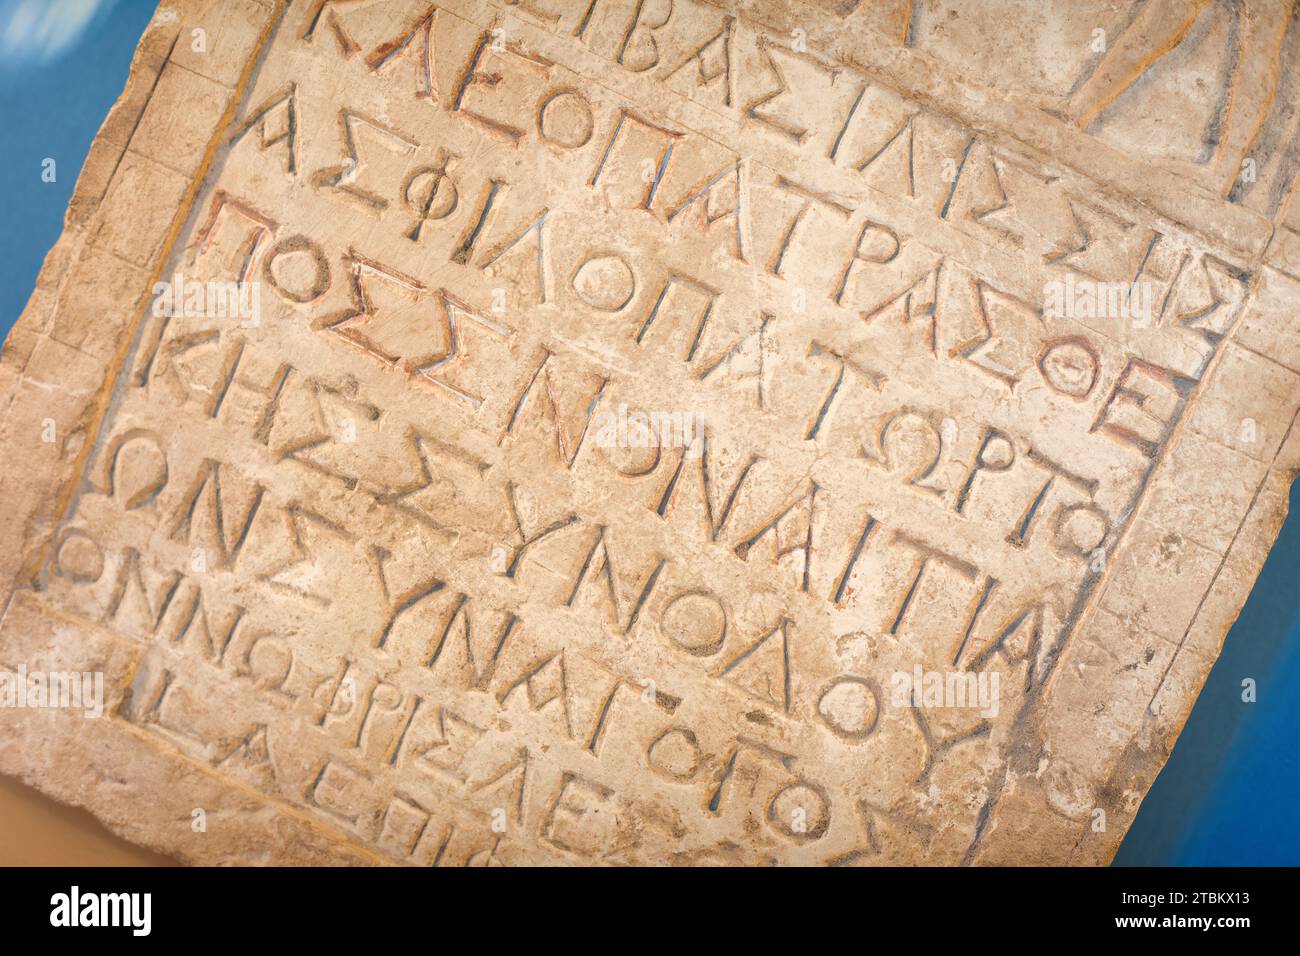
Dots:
(338, 906)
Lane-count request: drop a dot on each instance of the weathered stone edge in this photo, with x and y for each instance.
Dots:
(46, 352)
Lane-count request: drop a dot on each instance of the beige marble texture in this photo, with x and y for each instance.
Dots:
(563, 431)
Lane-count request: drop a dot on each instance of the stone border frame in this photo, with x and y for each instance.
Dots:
(77, 330)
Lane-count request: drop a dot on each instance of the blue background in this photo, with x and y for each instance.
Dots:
(1230, 793)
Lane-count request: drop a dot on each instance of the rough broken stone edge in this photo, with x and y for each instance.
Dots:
(31, 332)
(278, 833)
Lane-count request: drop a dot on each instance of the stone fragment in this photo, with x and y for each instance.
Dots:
(745, 431)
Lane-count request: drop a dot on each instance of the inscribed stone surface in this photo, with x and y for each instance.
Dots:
(741, 431)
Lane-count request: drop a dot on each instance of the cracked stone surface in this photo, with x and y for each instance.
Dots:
(632, 432)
